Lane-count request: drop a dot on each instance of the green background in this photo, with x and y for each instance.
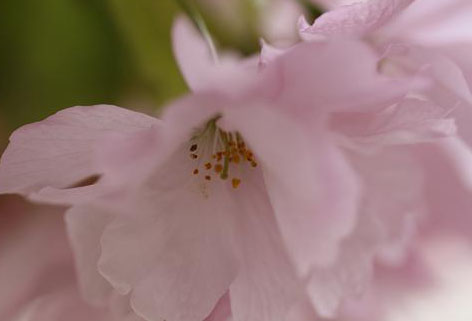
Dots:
(61, 53)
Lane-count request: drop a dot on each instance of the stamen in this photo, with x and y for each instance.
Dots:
(235, 182)
(220, 151)
(236, 159)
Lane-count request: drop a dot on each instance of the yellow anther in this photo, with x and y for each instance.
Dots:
(236, 159)
(235, 182)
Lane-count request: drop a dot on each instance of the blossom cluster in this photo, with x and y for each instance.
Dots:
(299, 184)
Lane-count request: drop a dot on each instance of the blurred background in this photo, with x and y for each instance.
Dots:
(61, 53)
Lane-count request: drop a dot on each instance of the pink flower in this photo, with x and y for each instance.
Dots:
(427, 38)
(36, 268)
(266, 194)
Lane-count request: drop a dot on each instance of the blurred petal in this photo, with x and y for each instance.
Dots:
(350, 79)
(192, 53)
(448, 185)
(85, 226)
(266, 286)
(357, 19)
(438, 22)
(411, 121)
(389, 209)
(61, 305)
(25, 230)
(222, 310)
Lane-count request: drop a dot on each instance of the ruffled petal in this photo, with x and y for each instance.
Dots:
(64, 304)
(449, 84)
(202, 67)
(222, 310)
(58, 152)
(25, 231)
(436, 23)
(85, 225)
(460, 54)
(192, 53)
(38, 288)
(448, 173)
(357, 19)
(266, 287)
(390, 208)
(174, 256)
(411, 121)
(312, 189)
(332, 76)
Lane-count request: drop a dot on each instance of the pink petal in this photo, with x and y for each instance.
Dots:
(85, 226)
(222, 310)
(463, 114)
(25, 231)
(390, 207)
(266, 287)
(174, 256)
(269, 53)
(389, 287)
(315, 77)
(38, 287)
(312, 189)
(449, 83)
(409, 122)
(433, 23)
(357, 19)
(192, 53)
(58, 152)
(127, 157)
(448, 185)
(68, 196)
(64, 304)
(202, 67)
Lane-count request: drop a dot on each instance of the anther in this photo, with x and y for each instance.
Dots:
(194, 156)
(235, 182)
(236, 159)
(208, 177)
(193, 147)
(218, 168)
(195, 171)
(208, 166)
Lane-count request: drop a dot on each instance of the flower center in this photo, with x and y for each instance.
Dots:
(219, 154)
